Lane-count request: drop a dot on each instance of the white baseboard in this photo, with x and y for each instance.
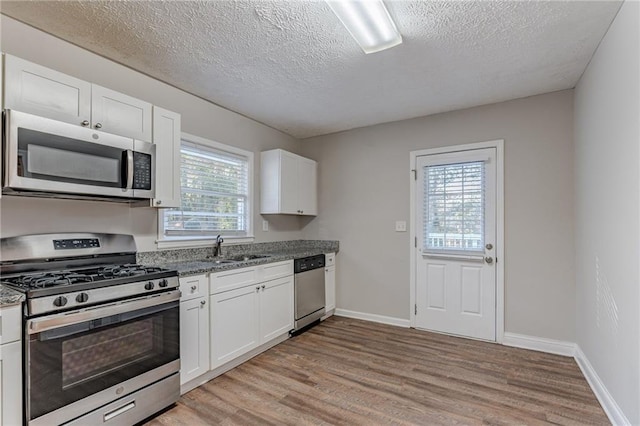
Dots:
(373, 317)
(611, 408)
(558, 347)
(540, 344)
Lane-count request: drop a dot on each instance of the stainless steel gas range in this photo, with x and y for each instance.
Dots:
(101, 333)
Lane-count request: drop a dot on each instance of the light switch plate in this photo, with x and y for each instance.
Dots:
(401, 226)
(265, 225)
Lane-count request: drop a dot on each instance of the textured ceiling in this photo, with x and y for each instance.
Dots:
(292, 66)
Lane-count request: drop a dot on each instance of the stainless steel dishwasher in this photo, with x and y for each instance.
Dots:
(309, 290)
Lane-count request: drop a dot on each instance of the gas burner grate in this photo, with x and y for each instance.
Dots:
(126, 270)
(49, 279)
(41, 280)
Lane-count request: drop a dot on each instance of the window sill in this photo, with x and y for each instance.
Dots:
(192, 242)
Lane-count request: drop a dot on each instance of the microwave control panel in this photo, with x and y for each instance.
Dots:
(141, 171)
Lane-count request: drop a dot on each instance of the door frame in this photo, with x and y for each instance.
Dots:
(499, 146)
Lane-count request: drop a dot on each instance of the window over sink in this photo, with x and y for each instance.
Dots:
(216, 183)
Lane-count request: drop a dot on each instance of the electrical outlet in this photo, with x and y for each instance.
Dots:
(401, 226)
(265, 225)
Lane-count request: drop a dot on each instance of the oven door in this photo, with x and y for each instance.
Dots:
(50, 156)
(82, 360)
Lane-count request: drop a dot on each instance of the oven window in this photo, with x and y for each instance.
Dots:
(70, 363)
(96, 354)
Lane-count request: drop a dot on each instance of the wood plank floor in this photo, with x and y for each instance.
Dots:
(351, 372)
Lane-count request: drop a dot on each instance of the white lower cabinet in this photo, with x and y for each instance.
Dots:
(234, 324)
(194, 339)
(276, 308)
(194, 328)
(249, 308)
(330, 283)
(10, 366)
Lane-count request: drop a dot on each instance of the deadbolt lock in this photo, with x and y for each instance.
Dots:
(489, 246)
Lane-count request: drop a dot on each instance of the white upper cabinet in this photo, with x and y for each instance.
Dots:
(307, 186)
(166, 135)
(120, 114)
(288, 183)
(41, 91)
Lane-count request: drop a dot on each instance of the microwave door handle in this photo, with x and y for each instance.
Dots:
(129, 169)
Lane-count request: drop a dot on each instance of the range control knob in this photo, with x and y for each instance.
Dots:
(163, 283)
(82, 297)
(60, 301)
(149, 285)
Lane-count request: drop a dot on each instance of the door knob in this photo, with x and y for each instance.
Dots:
(98, 126)
(85, 123)
(489, 260)
(489, 246)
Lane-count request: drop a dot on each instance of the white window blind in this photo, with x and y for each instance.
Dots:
(215, 194)
(454, 207)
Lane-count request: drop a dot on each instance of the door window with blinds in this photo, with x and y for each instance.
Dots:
(454, 206)
(215, 183)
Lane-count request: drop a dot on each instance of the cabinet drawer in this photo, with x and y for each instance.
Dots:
(193, 287)
(330, 259)
(229, 280)
(271, 271)
(10, 324)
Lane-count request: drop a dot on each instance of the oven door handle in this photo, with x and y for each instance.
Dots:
(38, 325)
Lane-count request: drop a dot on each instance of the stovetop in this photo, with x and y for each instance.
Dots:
(48, 279)
(58, 272)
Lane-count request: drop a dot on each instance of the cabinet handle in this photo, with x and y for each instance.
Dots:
(85, 123)
(193, 288)
(258, 288)
(203, 302)
(263, 286)
(158, 202)
(98, 126)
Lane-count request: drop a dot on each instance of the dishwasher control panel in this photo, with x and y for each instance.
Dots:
(308, 263)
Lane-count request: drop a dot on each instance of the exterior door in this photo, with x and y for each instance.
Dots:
(456, 236)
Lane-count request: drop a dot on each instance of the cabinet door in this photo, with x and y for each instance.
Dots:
(194, 339)
(307, 186)
(166, 136)
(289, 183)
(234, 324)
(276, 308)
(11, 366)
(120, 114)
(42, 91)
(330, 288)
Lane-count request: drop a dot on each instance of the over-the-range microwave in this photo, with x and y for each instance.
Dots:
(50, 158)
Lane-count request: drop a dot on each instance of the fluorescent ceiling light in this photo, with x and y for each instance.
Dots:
(368, 22)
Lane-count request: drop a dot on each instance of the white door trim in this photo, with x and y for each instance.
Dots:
(499, 146)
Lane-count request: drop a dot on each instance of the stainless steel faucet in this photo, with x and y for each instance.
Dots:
(217, 249)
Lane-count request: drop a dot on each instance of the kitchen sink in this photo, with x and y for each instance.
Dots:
(245, 257)
(222, 261)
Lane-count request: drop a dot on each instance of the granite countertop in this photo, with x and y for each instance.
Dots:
(200, 261)
(9, 296)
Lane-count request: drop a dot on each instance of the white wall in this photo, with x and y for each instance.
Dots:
(199, 117)
(607, 194)
(364, 188)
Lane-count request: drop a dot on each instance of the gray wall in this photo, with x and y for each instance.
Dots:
(607, 229)
(199, 117)
(364, 188)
